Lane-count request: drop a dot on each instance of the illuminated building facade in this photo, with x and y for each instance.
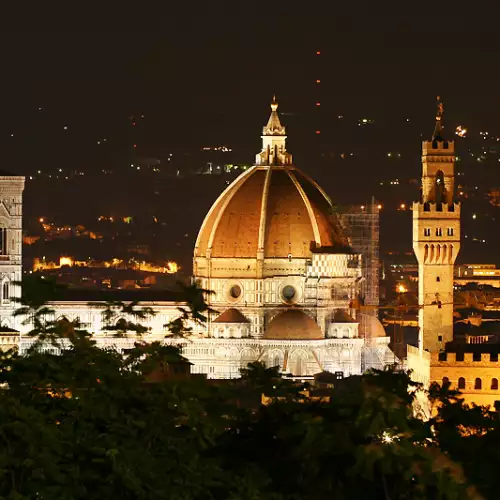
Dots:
(284, 279)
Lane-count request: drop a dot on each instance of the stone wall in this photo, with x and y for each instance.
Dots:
(478, 371)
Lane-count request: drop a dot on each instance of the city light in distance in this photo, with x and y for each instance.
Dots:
(401, 288)
(461, 131)
(365, 121)
(223, 149)
(169, 267)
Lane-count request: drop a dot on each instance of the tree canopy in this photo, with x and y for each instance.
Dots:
(95, 423)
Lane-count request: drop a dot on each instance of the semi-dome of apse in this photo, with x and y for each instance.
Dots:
(293, 325)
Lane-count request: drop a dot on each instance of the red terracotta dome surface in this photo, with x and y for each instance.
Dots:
(276, 209)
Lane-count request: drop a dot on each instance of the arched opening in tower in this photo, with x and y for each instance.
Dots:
(440, 188)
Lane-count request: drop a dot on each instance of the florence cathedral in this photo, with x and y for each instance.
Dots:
(283, 274)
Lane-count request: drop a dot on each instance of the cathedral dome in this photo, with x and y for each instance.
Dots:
(270, 212)
(293, 325)
(273, 210)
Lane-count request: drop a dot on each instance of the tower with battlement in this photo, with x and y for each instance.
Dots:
(436, 239)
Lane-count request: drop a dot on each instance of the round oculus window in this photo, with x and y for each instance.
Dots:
(288, 293)
(235, 291)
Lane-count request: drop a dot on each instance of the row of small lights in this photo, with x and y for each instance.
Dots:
(379, 207)
(460, 131)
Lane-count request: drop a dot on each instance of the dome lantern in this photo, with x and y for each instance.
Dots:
(274, 141)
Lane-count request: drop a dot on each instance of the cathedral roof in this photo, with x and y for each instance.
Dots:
(231, 315)
(293, 325)
(272, 210)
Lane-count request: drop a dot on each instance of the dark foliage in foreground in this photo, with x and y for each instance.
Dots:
(89, 424)
(94, 424)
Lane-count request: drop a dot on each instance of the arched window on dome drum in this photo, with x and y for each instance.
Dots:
(5, 291)
(478, 384)
(494, 384)
(461, 383)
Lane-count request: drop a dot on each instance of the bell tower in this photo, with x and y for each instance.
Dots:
(436, 239)
(11, 240)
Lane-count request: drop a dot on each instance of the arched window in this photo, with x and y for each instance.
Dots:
(5, 291)
(440, 189)
(478, 384)
(277, 361)
(494, 384)
(3, 241)
(461, 383)
(446, 381)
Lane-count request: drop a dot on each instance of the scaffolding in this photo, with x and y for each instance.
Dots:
(361, 225)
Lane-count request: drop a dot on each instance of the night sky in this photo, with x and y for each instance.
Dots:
(207, 78)
(73, 79)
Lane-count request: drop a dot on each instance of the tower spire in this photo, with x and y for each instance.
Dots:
(439, 128)
(274, 126)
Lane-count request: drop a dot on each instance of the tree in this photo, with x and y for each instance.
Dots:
(115, 313)
(470, 435)
(196, 312)
(364, 443)
(89, 423)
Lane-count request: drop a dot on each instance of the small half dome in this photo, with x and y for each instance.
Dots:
(293, 325)
(231, 315)
(374, 327)
(342, 316)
